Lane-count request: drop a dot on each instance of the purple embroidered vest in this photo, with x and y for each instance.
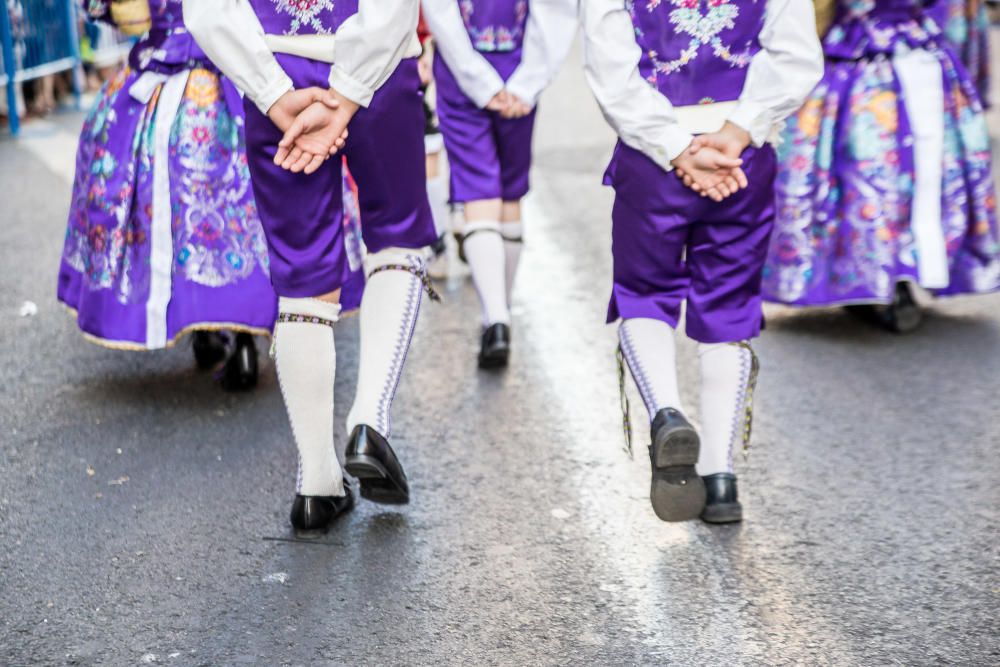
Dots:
(495, 26)
(697, 51)
(303, 17)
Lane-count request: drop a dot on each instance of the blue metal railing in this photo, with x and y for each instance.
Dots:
(37, 38)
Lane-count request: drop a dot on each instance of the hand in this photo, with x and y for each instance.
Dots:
(516, 107)
(499, 102)
(708, 171)
(283, 112)
(731, 141)
(316, 134)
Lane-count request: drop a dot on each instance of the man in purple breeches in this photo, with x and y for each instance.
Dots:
(697, 87)
(346, 69)
(495, 59)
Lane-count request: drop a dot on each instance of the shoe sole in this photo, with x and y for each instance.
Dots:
(377, 485)
(723, 513)
(676, 491)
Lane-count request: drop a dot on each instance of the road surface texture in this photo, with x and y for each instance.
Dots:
(143, 512)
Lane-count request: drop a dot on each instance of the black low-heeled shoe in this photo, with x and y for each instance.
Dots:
(380, 474)
(494, 351)
(241, 369)
(316, 513)
(902, 316)
(676, 491)
(722, 504)
(209, 348)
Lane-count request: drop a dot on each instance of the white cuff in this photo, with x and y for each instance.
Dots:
(755, 119)
(350, 87)
(525, 94)
(273, 92)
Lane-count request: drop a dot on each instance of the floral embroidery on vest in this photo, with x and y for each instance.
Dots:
(494, 38)
(305, 13)
(701, 27)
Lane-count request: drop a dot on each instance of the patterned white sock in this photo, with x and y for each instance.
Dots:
(649, 350)
(483, 247)
(513, 243)
(389, 312)
(727, 371)
(306, 359)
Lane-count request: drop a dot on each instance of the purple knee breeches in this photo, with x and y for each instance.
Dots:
(489, 156)
(302, 215)
(671, 245)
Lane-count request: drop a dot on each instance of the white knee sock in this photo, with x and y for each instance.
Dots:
(648, 346)
(437, 195)
(513, 243)
(389, 312)
(306, 360)
(727, 373)
(483, 247)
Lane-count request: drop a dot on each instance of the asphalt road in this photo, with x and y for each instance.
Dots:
(143, 512)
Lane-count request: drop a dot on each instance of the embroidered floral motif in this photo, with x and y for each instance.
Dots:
(305, 14)
(492, 38)
(703, 22)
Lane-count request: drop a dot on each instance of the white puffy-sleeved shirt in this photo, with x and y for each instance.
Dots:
(548, 36)
(363, 53)
(779, 78)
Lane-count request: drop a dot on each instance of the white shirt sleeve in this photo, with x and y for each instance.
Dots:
(369, 46)
(643, 118)
(230, 34)
(548, 37)
(784, 72)
(475, 75)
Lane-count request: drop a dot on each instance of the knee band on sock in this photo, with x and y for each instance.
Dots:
(389, 310)
(728, 379)
(306, 360)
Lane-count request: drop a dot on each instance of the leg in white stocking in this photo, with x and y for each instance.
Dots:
(648, 347)
(728, 375)
(306, 362)
(389, 312)
(483, 248)
(513, 243)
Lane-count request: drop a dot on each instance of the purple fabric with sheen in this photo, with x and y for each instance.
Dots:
(671, 245)
(489, 156)
(697, 51)
(303, 215)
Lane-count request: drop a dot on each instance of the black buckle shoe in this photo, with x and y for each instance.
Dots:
(370, 458)
(495, 349)
(722, 503)
(316, 513)
(240, 371)
(209, 348)
(676, 491)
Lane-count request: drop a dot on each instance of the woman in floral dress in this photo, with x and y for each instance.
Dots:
(164, 237)
(885, 177)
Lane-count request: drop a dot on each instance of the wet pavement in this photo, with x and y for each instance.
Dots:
(143, 512)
